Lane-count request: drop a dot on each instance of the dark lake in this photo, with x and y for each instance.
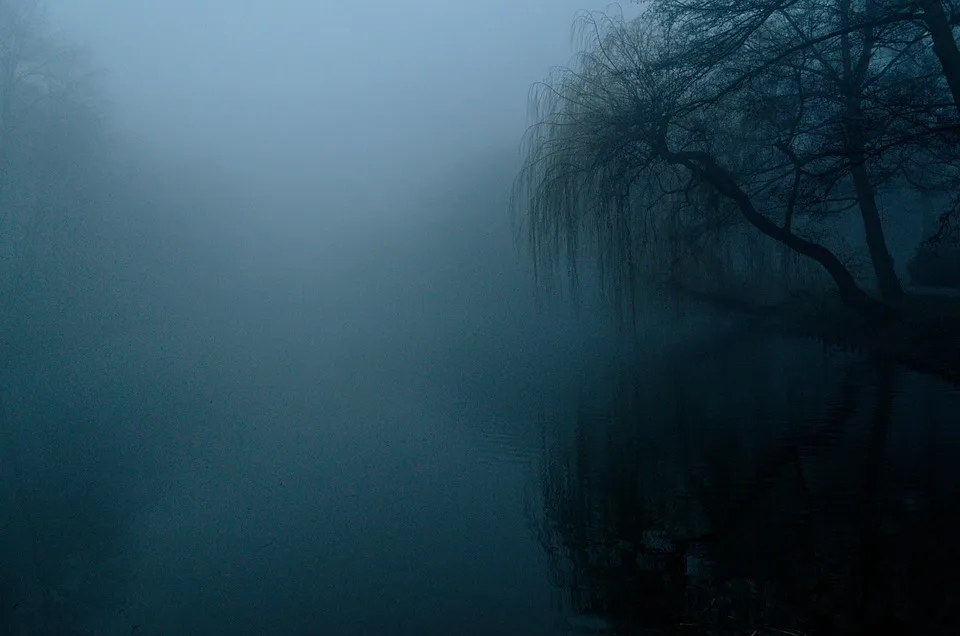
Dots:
(262, 450)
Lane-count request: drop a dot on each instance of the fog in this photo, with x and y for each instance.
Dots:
(248, 389)
(276, 355)
(353, 159)
(374, 96)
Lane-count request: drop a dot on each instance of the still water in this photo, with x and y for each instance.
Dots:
(761, 484)
(726, 480)
(278, 439)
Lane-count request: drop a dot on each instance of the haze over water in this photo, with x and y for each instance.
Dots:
(294, 374)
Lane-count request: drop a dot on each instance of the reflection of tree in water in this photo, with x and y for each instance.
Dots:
(661, 514)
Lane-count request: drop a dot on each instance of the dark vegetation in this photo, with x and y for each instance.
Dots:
(725, 149)
(761, 157)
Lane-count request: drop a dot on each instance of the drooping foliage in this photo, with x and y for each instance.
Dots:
(729, 143)
(591, 180)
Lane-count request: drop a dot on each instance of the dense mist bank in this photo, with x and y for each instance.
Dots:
(186, 328)
(281, 349)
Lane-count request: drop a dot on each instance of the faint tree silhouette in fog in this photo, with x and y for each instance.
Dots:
(58, 535)
(51, 133)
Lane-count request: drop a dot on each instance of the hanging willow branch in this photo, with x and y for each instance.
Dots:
(626, 158)
(590, 179)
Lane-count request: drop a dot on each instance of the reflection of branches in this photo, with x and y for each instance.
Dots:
(618, 517)
(592, 533)
(820, 438)
(874, 602)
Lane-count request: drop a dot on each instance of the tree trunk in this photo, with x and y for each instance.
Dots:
(889, 284)
(928, 216)
(851, 85)
(705, 167)
(887, 280)
(944, 44)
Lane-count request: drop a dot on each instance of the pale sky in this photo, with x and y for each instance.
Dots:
(395, 89)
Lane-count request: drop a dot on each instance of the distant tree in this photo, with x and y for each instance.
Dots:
(56, 540)
(33, 66)
(50, 134)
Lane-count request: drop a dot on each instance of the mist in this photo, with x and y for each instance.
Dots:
(292, 296)
(372, 97)
(284, 349)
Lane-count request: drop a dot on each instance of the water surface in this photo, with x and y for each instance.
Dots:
(761, 485)
(281, 440)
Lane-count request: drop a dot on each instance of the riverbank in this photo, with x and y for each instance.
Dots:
(925, 337)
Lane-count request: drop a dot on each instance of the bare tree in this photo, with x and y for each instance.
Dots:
(940, 26)
(35, 68)
(631, 120)
(724, 26)
(868, 70)
(815, 100)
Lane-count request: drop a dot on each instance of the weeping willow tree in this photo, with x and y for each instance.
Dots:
(581, 188)
(636, 157)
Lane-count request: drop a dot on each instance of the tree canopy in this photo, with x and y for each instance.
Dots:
(730, 131)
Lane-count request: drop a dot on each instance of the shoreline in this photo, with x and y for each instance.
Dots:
(925, 337)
